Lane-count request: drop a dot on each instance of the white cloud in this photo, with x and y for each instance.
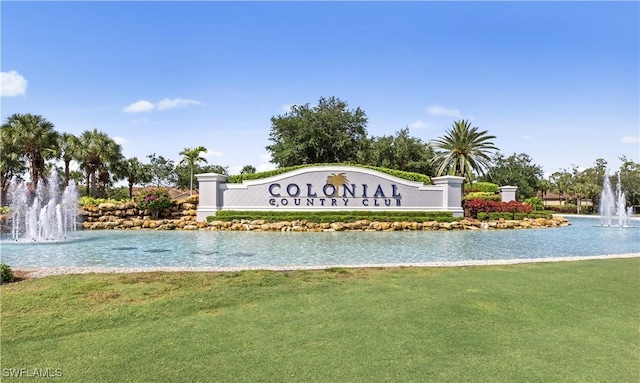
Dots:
(12, 84)
(212, 154)
(266, 163)
(265, 157)
(421, 125)
(286, 107)
(418, 125)
(139, 107)
(264, 167)
(630, 140)
(437, 111)
(526, 138)
(170, 103)
(119, 140)
(166, 103)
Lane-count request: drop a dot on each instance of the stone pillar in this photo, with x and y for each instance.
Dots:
(451, 194)
(508, 193)
(210, 194)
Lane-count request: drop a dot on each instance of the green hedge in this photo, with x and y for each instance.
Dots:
(411, 176)
(330, 216)
(486, 187)
(506, 215)
(90, 201)
(487, 196)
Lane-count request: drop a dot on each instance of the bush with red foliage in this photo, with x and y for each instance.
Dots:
(474, 206)
(566, 209)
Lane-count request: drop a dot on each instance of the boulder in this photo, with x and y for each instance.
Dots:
(106, 206)
(338, 226)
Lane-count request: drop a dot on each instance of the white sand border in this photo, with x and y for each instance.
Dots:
(39, 272)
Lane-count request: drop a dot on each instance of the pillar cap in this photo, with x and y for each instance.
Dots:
(211, 177)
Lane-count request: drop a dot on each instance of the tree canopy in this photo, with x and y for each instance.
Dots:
(516, 170)
(401, 152)
(326, 133)
(35, 137)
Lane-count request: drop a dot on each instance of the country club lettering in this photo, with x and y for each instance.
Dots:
(330, 195)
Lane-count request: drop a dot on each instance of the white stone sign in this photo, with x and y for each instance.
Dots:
(322, 188)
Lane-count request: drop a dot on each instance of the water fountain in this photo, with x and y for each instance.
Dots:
(613, 205)
(46, 216)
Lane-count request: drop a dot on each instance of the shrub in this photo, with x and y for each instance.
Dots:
(330, 216)
(483, 195)
(154, 201)
(90, 201)
(6, 274)
(503, 215)
(5, 209)
(535, 202)
(486, 187)
(547, 214)
(120, 194)
(411, 176)
(474, 206)
(566, 209)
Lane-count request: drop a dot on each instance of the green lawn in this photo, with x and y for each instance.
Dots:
(550, 322)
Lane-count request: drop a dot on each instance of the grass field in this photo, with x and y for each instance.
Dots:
(548, 322)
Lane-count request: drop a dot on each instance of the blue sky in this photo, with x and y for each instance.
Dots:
(556, 80)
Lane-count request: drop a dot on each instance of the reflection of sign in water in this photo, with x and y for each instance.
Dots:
(337, 191)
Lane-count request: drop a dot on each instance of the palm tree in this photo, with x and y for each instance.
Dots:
(12, 163)
(36, 139)
(544, 185)
(463, 150)
(68, 146)
(135, 172)
(191, 156)
(98, 153)
(561, 183)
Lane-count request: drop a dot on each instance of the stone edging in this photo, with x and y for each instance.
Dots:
(302, 225)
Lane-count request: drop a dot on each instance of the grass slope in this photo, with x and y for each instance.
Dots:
(569, 322)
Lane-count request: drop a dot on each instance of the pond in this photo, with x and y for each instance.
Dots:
(193, 249)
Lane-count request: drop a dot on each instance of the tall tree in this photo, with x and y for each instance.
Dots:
(12, 163)
(630, 180)
(326, 133)
(562, 183)
(163, 172)
(68, 149)
(463, 150)
(588, 182)
(183, 173)
(35, 138)
(98, 154)
(191, 157)
(516, 170)
(135, 172)
(544, 186)
(401, 152)
(248, 169)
